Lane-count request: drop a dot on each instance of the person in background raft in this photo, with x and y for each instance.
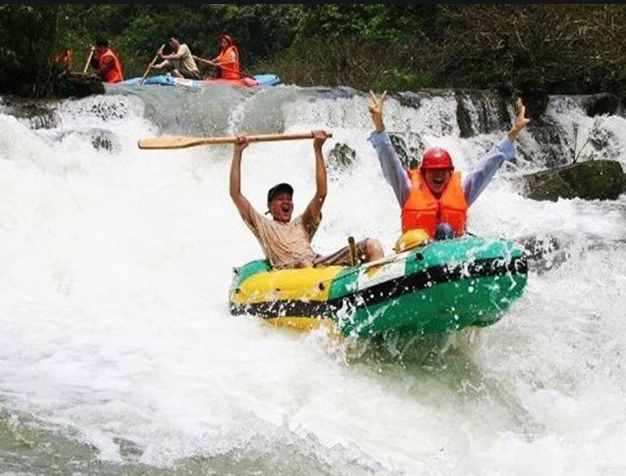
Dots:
(434, 197)
(64, 59)
(182, 60)
(287, 243)
(227, 61)
(106, 61)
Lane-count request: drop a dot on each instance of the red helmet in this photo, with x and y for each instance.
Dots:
(436, 158)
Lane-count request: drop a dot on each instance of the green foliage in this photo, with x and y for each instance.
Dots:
(24, 55)
(370, 22)
(552, 48)
(560, 48)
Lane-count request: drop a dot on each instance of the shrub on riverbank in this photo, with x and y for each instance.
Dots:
(27, 38)
(552, 48)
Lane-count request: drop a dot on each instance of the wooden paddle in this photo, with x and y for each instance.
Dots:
(244, 74)
(202, 60)
(88, 60)
(353, 252)
(151, 64)
(182, 142)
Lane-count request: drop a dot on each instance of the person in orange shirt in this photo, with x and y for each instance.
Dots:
(64, 59)
(106, 62)
(227, 62)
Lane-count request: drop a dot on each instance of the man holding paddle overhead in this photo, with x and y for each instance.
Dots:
(434, 198)
(287, 243)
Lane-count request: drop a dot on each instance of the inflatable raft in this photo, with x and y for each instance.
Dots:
(440, 287)
(165, 80)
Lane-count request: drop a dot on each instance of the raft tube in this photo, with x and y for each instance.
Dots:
(165, 80)
(443, 286)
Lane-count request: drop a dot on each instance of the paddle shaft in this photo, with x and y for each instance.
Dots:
(88, 61)
(151, 64)
(181, 142)
(353, 251)
(226, 68)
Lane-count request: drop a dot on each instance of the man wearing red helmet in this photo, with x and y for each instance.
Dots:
(435, 197)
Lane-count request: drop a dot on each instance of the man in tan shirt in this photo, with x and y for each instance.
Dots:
(287, 243)
(182, 61)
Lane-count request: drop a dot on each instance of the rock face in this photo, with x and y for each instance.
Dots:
(341, 157)
(590, 180)
(77, 85)
(603, 103)
(408, 156)
(39, 114)
(480, 112)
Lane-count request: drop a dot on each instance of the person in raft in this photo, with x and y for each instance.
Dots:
(181, 60)
(106, 61)
(64, 59)
(227, 61)
(434, 197)
(286, 242)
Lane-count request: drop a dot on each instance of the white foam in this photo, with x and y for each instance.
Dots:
(116, 268)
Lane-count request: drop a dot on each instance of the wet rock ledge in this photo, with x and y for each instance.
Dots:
(590, 180)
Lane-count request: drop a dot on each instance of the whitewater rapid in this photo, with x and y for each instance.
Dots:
(117, 347)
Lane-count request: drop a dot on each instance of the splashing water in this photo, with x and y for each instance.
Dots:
(118, 352)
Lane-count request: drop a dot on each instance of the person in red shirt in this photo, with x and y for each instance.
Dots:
(227, 62)
(64, 59)
(106, 62)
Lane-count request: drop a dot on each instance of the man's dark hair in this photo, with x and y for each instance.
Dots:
(280, 188)
(102, 42)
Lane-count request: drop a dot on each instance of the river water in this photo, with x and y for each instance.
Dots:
(118, 354)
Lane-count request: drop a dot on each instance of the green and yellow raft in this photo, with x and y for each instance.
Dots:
(443, 286)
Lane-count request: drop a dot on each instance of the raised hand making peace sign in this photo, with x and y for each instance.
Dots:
(375, 106)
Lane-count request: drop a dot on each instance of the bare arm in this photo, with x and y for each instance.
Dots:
(520, 120)
(241, 202)
(313, 211)
(160, 65)
(205, 61)
(174, 56)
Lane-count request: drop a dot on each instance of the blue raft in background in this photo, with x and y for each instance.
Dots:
(167, 80)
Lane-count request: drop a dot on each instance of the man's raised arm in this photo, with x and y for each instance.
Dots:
(241, 202)
(313, 211)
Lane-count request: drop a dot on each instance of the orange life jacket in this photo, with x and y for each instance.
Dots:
(423, 210)
(115, 74)
(229, 69)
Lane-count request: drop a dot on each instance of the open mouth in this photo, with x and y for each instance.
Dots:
(286, 208)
